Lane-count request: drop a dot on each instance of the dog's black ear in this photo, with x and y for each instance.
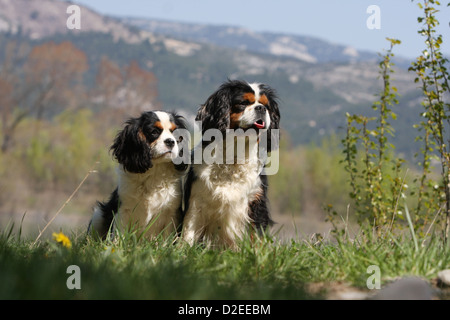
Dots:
(131, 149)
(182, 135)
(273, 137)
(215, 113)
(180, 121)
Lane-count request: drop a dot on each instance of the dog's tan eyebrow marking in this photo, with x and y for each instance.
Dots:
(263, 100)
(159, 125)
(250, 97)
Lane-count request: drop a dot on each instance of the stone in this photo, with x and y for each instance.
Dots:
(410, 288)
(444, 277)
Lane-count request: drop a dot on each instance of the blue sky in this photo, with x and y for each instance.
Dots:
(342, 22)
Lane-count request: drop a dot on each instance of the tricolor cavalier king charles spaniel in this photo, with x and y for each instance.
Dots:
(148, 196)
(223, 199)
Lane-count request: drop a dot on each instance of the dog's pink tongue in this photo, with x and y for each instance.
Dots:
(260, 125)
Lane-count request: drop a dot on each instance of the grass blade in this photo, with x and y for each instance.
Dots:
(411, 228)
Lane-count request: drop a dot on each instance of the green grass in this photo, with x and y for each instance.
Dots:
(128, 268)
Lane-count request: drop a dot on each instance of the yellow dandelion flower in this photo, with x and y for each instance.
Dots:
(63, 239)
(109, 249)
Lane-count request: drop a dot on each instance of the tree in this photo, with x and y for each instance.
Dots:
(55, 72)
(9, 82)
(108, 81)
(50, 77)
(130, 90)
(141, 88)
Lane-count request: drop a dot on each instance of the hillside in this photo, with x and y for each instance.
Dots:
(40, 19)
(300, 47)
(317, 81)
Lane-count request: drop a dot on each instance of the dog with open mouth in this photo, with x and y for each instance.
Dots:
(226, 197)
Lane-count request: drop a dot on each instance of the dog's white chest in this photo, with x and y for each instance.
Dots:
(218, 208)
(229, 183)
(149, 198)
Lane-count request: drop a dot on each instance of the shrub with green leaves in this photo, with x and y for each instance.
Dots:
(375, 172)
(432, 74)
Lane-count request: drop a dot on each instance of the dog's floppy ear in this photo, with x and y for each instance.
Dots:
(215, 113)
(131, 149)
(274, 113)
(182, 135)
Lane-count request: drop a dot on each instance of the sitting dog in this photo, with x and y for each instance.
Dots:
(226, 196)
(148, 196)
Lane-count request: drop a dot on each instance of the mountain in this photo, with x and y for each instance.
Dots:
(300, 47)
(46, 18)
(317, 81)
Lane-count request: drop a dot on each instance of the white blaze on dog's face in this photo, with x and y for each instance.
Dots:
(149, 138)
(251, 110)
(164, 145)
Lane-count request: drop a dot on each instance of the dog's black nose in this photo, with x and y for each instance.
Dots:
(260, 108)
(169, 143)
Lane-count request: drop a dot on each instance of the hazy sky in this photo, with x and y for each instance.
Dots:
(342, 22)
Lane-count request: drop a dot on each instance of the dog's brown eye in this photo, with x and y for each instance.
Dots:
(239, 107)
(155, 132)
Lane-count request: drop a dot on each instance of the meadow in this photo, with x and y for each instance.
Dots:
(381, 210)
(262, 268)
